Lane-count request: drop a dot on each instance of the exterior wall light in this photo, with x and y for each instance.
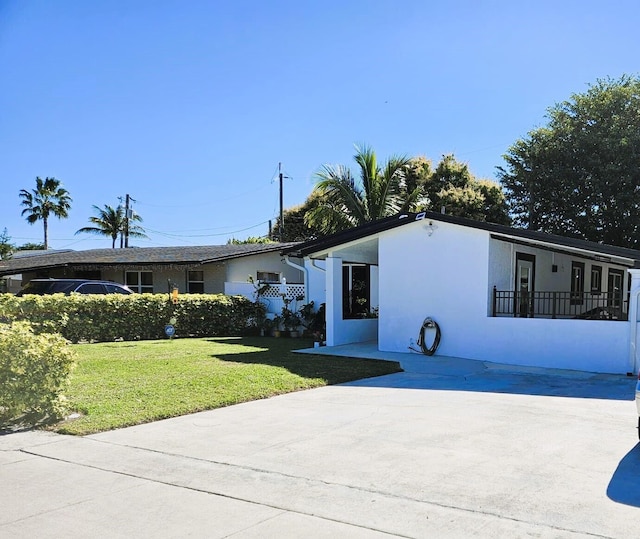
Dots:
(430, 228)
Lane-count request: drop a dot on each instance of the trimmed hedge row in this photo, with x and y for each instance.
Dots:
(111, 317)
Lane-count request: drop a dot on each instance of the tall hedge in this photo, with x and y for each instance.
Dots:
(131, 317)
(34, 372)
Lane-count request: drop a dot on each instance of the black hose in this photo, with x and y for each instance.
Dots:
(429, 323)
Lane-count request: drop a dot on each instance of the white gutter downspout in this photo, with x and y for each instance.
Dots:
(313, 265)
(306, 276)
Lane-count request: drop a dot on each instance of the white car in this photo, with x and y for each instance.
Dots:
(638, 402)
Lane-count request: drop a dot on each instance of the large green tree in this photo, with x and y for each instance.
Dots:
(451, 186)
(111, 222)
(249, 240)
(346, 201)
(579, 175)
(48, 198)
(295, 226)
(341, 201)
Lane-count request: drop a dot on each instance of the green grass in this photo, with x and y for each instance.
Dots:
(128, 383)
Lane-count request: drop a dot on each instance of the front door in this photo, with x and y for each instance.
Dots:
(614, 288)
(524, 286)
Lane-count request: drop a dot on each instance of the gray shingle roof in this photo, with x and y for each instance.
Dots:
(137, 256)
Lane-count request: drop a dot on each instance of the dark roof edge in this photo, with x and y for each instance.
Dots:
(389, 223)
(276, 247)
(352, 234)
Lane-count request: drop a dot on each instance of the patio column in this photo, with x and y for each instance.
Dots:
(634, 315)
(333, 277)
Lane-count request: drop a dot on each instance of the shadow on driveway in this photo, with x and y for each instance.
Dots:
(460, 374)
(624, 486)
(435, 372)
(580, 385)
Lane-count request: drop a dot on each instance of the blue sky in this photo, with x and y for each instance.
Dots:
(190, 106)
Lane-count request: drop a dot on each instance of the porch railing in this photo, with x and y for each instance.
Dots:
(581, 305)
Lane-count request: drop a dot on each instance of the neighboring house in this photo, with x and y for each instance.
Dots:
(13, 283)
(207, 269)
(498, 294)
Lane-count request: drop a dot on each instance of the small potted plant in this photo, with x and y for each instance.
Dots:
(291, 322)
(277, 326)
(267, 327)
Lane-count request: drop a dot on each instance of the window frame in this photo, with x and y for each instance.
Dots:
(195, 286)
(596, 271)
(139, 286)
(577, 283)
(349, 311)
(269, 279)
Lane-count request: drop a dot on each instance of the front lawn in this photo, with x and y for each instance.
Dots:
(128, 383)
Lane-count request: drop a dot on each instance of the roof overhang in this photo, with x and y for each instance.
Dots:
(589, 254)
(363, 240)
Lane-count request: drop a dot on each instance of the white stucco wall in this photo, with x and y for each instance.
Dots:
(316, 288)
(340, 331)
(239, 269)
(447, 276)
(443, 276)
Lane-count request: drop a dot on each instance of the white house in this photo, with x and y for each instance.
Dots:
(497, 293)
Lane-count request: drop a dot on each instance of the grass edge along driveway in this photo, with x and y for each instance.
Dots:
(128, 383)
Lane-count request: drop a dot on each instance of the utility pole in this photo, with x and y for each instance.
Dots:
(126, 221)
(281, 228)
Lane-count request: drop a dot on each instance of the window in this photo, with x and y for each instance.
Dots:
(615, 287)
(115, 289)
(524, 285)
(195, 282)
(91, 288)
(356, 292)
(139, 281)
(596, 279)
(268, 277)
(577, 283)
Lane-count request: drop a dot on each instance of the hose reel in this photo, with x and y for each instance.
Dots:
(428, 324)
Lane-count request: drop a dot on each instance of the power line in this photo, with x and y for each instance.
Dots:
(205, 235)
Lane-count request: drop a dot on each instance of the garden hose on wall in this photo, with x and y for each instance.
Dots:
(429, 323)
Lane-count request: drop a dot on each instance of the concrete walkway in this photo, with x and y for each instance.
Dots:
(450, 449)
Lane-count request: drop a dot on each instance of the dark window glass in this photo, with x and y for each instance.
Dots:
(91, 288)
(113, 289)
(596, 279)
(577, 283)
(356, 292)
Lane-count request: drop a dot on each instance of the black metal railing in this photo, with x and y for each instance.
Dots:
(583, 305)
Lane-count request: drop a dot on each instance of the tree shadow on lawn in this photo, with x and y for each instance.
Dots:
(278, 353)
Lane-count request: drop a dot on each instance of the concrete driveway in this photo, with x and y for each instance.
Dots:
(451, 449)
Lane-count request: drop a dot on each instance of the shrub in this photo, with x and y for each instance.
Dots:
(34, 371)
(138, 316)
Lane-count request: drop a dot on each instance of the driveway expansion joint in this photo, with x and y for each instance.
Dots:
(309, 481)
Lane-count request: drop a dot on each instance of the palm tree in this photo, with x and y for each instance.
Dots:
(47, 198)
(111, 222)
(347, 202)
